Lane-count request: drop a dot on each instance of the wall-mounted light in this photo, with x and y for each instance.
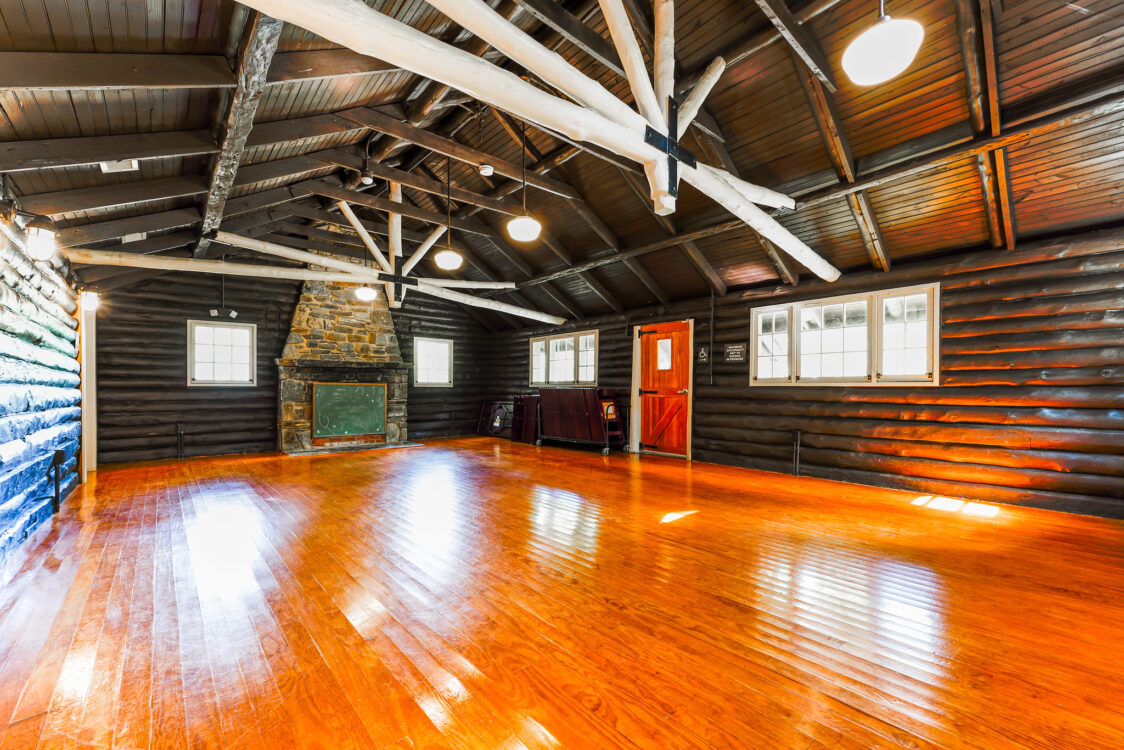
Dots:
(89, 301)
(884, 50)
(486, 170)
(365, 293)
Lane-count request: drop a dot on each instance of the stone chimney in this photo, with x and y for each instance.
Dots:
(337, 338)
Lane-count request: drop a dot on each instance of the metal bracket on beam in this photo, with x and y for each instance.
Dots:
(669, 144)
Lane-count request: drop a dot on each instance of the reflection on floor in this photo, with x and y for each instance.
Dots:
(481, 594)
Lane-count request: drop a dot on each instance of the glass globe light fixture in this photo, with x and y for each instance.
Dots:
(524, 228)
(365, 293)
(448, 260)
(42, 243)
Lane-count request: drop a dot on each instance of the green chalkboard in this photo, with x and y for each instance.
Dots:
(348, 409)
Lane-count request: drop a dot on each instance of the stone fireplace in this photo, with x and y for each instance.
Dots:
(336, 338)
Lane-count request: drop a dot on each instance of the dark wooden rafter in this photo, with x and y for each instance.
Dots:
(693, 252)
(509, 253)
(427, 95)
(995, 123)
(259, 43)
(573, 30)
(799, 39)
(783, 265)
(383, 123)
(592, 220)
(822, 103)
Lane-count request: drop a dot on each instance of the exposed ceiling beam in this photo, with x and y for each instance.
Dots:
(738, 51)
(324, 63)
(636, 252)
(350, 160)
(822, 103)
(376, 120)
(999, 156)
(787, 273)
(19, 156)
(327, 190)
(259, 43)
(693, 252)
(1061, 117)
(799, 39)
(99, 71)
(116, 228)
(62, 202)
(571, 28)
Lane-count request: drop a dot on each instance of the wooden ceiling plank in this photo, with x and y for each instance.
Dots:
(19, 156)
(259, 43)
(799, 39)
(376, 120)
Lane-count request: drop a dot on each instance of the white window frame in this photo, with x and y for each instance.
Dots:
(193, 383)
(575, 335)
(452, 346)
(874, 340)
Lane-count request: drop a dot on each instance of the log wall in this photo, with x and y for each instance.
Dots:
(442, 412)
(1030, 410)
(39, 389)
(143, 397)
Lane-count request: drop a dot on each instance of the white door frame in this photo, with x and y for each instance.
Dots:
(87, 343)
(634, 394)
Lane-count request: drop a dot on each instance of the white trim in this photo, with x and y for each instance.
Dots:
(192, 383)
(87, 346)
(433, 340)
(874, 340)
(575, 335)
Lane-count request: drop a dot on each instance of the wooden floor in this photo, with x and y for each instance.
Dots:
(479, 594)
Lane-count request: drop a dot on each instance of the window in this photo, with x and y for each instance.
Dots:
(221, 353)
(565, 359)
(876, 338)
(433, 362)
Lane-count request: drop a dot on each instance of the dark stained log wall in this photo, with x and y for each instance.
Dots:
(440, 412)
(39, 397)
(1030, 410)
(143, 395)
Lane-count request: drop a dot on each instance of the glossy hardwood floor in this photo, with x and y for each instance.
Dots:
(480, 594)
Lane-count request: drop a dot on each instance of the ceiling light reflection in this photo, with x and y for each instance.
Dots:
(669, 517)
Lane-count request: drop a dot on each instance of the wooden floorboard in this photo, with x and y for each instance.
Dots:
(476, 593)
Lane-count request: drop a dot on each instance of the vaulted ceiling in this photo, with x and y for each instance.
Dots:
(1007, 127)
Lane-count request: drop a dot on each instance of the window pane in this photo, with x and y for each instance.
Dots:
(809, 342)
(538, 362)
(222, 335)
(241, 355)
(222, 353)
(204, 371)
(562, 360)
(222, 372)
(809, 365)
(833, 316)
(810, 319)
(831, 366)
(905, 336)
(854, 339)
(764, 368)
(240, 337)
(780, 321)
(204, 335)
(780, 344)
(432, 360)
(765, 323)
(854, 364)
(663, 354)
(204, 352)
(780, 367)
(832, 340)
(856, 314)
(240, 373)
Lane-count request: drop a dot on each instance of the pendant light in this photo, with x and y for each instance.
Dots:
(222, 311)
(365, 293)
(42, 241)
(524, 228)
(448, 259)
(884, 50)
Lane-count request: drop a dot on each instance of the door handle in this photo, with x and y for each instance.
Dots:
(683, 391)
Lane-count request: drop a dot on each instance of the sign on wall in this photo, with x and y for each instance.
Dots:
(735, 352)
(703, 355)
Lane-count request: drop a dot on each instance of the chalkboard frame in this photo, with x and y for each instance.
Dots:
(336, 438)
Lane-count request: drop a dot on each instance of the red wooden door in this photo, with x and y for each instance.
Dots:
(665, 383)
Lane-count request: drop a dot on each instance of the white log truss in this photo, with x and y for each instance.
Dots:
(594, 115)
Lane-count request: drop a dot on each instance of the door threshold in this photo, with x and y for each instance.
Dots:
(665, 455)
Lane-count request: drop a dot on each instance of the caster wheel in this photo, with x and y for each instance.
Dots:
(604, 451)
